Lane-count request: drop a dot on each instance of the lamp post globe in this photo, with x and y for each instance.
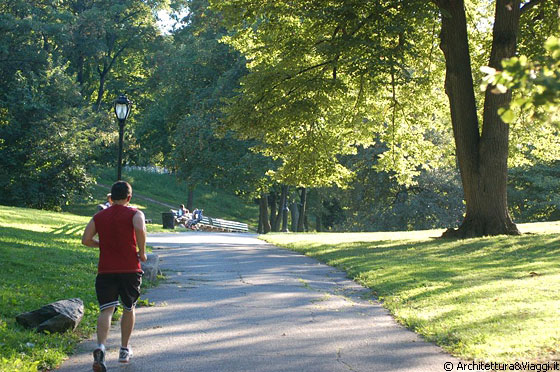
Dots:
(123, 107)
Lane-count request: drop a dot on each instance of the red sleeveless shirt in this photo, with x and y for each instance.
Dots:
(117, 240)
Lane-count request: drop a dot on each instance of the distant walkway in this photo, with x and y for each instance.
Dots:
(233, 303)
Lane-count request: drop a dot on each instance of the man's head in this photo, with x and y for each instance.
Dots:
(121, 192)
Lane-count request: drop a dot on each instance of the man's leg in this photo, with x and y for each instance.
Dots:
(103, 324)
(129, 293)
(127, 325)
(107, 295)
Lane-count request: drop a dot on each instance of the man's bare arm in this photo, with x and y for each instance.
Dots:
(89, 233)
(140, 229)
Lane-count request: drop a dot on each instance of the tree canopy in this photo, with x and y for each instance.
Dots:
(339, 72)
(365, 111)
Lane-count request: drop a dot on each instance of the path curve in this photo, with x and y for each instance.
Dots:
(233, 303)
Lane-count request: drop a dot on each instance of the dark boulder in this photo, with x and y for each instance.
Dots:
(58, 316)
(151, 267)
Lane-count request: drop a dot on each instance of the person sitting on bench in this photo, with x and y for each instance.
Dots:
(196, 218)
(181, 215)
(107, 204)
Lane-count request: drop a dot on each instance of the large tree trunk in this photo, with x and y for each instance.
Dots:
(482, 158)
(295, 216)
(281, 207)
(264, 214)
(272, 201)
(302, 210)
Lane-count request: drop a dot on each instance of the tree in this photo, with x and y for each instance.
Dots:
(376, 45)
(317, 87)
(482, 153)
(43, 126)
(104, 33)
(182, 124)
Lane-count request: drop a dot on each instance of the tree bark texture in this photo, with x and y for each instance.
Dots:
(281, 207)
(264, 214)
(302, 210)
(295, 216)
(482, 158)
(272, 198)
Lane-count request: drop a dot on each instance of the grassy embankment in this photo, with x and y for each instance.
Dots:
(42, 260)
(492, 299)
(167, 189)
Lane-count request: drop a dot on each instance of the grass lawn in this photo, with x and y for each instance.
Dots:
(167, 189)
(42, 260)
(493, 299)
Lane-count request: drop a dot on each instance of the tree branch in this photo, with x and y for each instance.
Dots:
(291, 77)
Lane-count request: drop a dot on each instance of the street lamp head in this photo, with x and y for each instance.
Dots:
(123, 106)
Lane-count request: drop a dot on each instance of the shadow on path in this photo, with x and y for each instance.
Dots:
(234, 303)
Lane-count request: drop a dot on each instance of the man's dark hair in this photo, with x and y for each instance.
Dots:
(121, 190)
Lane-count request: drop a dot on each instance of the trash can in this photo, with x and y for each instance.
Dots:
(168, 220)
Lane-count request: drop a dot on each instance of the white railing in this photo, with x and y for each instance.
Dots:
(148, 169)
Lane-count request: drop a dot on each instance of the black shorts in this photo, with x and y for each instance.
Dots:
(109, 287)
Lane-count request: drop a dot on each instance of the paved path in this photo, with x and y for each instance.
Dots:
(233, 303)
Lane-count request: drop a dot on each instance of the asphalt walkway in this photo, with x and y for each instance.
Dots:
(233, 303)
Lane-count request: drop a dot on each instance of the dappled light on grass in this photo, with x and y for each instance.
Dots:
(494, 299)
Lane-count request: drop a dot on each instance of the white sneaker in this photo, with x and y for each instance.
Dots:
(125, 354)
(99, 359)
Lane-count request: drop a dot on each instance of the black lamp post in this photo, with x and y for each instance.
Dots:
(123, 106)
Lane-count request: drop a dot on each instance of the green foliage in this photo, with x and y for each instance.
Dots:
(181, 127)
(533, 112)
(533, 192)
(107, 42)
(376, 201)
(538, 82)
(490, 299)
(52, 61)
(43, 139)
(324, 76)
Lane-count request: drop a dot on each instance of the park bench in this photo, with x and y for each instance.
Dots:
(177, 220)
(215, 224)
(224, 225)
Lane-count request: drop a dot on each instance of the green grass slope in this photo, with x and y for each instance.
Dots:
(42, 261)
(493, 299)
(166, 188)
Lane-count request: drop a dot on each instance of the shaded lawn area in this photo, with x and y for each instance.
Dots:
(493, 299)
(42, 260)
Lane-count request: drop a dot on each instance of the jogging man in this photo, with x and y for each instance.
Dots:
(121, 229)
